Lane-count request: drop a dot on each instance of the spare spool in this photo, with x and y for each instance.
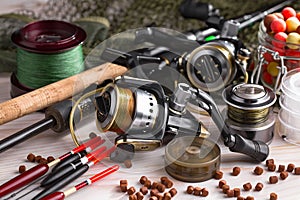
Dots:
(192, 159)
(47, 51)
(249, 111)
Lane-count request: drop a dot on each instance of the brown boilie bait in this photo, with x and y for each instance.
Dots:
(132, 197)
(154, 185)
(273, 196)
(283, 175)
(290, 167)
(221, 183)
(247, 186)
(144, 190)
(218, 175)
(50, 159)
(143, 179)
(273, 179)
(281, 168)
(22, 169)
(297, 171)
(139, 196)
(168, 183)
(131, 190)
(163, 179)
(225, 188)
(272, 167)
(154, 192)
(237, 192)
(197, 191)
(167, 196)
(269, 161)
(258, 170)
(38, 159)
(259, 187)
(148, 184)
(190, 189)
(31, 157)
(204, 192)
(161, 187)
(236, 171)
(123, 185)
(230, 193)
(173, 192)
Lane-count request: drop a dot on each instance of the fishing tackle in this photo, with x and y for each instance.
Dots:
(41, 169)
(89, 181)
(145, 117)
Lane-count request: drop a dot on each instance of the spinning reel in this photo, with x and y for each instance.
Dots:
(209, 66)
(145, 118)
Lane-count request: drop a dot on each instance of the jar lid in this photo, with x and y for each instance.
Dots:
(249, 96)
(48, 36)
(291, 84)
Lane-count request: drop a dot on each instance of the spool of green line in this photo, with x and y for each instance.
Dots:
(47, 51)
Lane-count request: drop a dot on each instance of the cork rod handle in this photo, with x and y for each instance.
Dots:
(58, 91)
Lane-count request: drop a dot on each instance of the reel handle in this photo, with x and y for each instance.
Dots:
(258, 150)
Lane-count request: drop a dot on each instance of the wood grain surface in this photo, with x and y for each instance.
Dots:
(150, 164)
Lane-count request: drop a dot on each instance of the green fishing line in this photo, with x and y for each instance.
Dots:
(35, 70)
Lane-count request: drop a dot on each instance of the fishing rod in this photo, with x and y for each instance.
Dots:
(218, 26)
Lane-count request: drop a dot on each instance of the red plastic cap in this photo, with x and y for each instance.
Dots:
(48, 36)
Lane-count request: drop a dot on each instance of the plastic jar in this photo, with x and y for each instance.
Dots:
(275, 58)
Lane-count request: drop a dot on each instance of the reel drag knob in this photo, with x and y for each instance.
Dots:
(211, 66)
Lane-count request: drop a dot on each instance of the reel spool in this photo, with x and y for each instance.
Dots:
(192, 159)
(136, 110)
(47, 51)
(125, 110)
(249, 111)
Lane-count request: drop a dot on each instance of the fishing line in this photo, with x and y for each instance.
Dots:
(47, 51)
(36, 70)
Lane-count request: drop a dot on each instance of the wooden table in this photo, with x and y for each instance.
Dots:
(150, 164)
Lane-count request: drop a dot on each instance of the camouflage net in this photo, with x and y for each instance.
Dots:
(123, 15)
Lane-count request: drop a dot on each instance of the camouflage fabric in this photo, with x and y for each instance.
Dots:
(102, 19)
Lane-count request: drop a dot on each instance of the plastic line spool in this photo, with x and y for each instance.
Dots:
(249, 111)
(192, 159)
(47, 51)
(289, 114)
